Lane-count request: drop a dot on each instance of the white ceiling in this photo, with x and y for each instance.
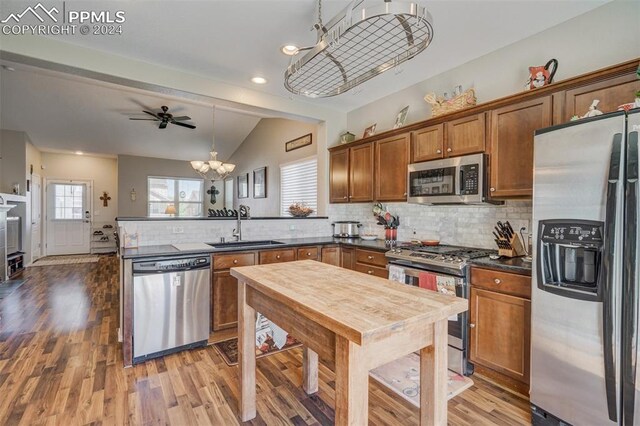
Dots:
(233, 40)
(67, 113)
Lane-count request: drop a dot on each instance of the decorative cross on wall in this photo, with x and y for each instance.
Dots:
(105, 198)
(213, 191)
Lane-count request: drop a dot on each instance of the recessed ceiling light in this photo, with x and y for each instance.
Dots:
(290, 49)
(259, 80)
(8, 68)
(79, 152)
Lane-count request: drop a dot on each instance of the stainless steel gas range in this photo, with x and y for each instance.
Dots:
(445, 269)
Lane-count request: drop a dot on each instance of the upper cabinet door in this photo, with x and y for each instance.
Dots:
(339, 176)
(361, 173)
(465, 135)
(512, 131)
(427, 144)
(610, 93)
(392, 159)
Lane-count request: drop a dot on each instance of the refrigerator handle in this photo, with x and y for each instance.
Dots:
(607, 277)
(630, 284)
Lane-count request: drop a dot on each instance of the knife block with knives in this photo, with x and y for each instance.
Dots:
(508, 241)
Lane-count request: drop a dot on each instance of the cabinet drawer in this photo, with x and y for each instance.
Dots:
(503, 282)
(369, 257)
(226, 261)
(372, 270)
(275, 256)
(308, 253)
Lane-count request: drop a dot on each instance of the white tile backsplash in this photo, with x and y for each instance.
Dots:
(459, 225)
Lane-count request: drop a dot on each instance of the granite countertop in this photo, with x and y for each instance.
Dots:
(169, 250)
(508, 264)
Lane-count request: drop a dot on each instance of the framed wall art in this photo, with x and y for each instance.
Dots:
(260, 183)
(298, 143)
(243, 185)
(370, 131)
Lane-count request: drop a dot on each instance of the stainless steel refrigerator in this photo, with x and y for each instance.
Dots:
(584, 316)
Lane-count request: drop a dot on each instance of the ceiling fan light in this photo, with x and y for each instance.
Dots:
(215, 164)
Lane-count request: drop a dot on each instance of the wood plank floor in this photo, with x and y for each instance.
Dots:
(61, 364)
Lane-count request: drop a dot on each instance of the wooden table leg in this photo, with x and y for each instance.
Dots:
(433, 378)
(309, 371)
(246, 355)
(352, 384)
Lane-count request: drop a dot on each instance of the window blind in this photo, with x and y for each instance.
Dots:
(299, 184)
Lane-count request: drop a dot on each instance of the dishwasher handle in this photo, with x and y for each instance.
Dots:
(168, 265)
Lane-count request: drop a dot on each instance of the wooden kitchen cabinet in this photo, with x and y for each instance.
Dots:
(465, 135)
(224, 299)
(331, 255)
(276, 256)
(391, 161)
(427, 144)
(348, 257)
(512, 132)
(610, 92)
(361, 173)
(500, 326)
(351, 174)
(339, 176)
(308, 253)
(371, 262)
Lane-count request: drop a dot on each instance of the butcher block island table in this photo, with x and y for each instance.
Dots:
(354, 323)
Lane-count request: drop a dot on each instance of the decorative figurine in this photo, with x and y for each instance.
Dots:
(593, 110)
(541, 75)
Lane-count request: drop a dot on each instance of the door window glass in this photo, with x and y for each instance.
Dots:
(69, 201)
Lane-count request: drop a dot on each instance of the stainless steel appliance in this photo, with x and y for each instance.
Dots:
(346, 229)
(14, 235)
(457, 180)
(584, 337)
(171, 305)
(450, 264)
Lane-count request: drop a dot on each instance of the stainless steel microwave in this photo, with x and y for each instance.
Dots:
(458, 180)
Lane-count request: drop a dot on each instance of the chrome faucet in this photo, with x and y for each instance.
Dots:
(242, 211)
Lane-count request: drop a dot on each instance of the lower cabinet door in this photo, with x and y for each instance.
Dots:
(224, 306)
(348, 258)
(500, 327)
(331, 255)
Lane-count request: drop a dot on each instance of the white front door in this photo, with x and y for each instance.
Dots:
(36, 217)
(68, 217)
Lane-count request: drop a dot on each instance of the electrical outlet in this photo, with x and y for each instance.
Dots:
(519, 224)
(178, 229)
(292, 227)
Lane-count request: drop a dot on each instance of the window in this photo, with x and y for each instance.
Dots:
(299, 184)
(185, 195)
(69, 201)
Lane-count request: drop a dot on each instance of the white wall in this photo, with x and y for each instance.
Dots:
(102, 170)
(133, 172)
(602, 37)
(265, 146)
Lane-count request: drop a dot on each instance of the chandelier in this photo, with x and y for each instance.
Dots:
(213, 169)
(363, 41)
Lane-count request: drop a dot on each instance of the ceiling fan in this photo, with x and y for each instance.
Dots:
(165, 118)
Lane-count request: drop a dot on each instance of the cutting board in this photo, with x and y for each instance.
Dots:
(192, 246)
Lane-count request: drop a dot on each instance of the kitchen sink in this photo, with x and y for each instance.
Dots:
(231, 244)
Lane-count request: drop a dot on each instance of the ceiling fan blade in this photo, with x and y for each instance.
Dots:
(163, 124)
(182, 118)
(177, 123)
(144, 119)
(151, 113)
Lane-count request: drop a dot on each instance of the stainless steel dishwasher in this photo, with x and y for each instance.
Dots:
(171, 305)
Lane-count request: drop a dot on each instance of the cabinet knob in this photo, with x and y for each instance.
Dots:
(278, 256)
(369, 272)
(235, 261)
(369, 257)
(497, 280)
(492, 189)
(472, 325)
(405, 194)
(308, 253)
(350, 196)
(345, 197)
(449, 150)
(438, 151)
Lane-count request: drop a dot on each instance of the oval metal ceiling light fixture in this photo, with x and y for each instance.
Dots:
(357, 45)
(259, 80)
(290, 49)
